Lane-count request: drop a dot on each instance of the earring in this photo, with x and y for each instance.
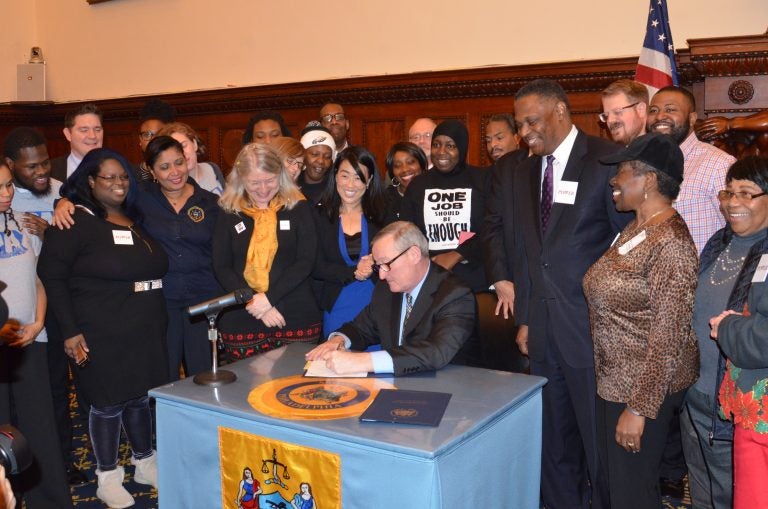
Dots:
(395, 182)
(645, 196)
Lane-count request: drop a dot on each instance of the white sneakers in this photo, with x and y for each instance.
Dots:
(146, 470)
(111, 490)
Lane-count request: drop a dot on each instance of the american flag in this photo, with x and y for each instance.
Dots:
(656, 67)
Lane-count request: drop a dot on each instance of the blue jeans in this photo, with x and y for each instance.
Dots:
(104, 426)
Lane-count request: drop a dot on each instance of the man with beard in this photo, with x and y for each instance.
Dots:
(625, 108)
(564, 220)
(333, 118)
(501, 137)
(673, 112)
(26, 155)
(319, 149)
(83, 131)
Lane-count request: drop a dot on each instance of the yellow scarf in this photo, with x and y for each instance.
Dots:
(263, 245)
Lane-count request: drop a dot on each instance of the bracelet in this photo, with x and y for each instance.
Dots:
(633, 411)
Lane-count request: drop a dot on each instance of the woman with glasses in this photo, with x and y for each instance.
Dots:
(291, 152)
(448, 203)
(207, 175)
(181, 216)
(405, 161)
(735, 367)
(265, 240)
(640, 297)
(350, 214)
(104, 286)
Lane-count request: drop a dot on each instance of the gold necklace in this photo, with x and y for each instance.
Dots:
(652, 216)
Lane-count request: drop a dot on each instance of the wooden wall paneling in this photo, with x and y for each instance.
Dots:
(381, 108)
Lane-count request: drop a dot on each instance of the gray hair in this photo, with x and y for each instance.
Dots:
(405, 234)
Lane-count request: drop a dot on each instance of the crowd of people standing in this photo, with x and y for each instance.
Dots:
(633, 268)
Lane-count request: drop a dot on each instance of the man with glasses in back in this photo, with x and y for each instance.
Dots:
(419, 314)
(420, 134)
(334, 119)
(625, 108)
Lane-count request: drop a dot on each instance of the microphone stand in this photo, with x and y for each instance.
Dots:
(215, 377)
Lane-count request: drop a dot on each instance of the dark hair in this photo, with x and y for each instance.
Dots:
(157, 109)
(83, 109)
(19, 138)
(668, 186)
(264, 115)
(505, 117)
(544, 88)
(373, 199)
(752, 168)
(77, 190)
(680, 90)
(412, 149)
(157, 146)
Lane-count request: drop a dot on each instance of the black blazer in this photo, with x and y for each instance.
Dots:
(548, 269)
(496, 233)
(441, 322)
(59, 168)
(331, 273)
(289, 278)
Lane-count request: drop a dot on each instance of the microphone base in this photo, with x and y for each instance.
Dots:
(217, 379)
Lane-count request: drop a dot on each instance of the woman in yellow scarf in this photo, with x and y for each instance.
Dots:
(266, 241)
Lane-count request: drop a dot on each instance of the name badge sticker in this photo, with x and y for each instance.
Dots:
(122, 237)
(566, 192)
(285, 224)
(632, 243)
(240, 227)
(762, 270)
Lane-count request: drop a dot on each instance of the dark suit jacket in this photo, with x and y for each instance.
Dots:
(289, 278)
(441, 322)
(548, 269)
(59, 168)
(496, 233)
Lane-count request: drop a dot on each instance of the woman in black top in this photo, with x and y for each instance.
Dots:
(103, 280)
(265, 240)
(448, 203)
(350, 214)
(405, 161)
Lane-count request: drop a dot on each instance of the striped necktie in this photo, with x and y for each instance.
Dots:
(408, 309)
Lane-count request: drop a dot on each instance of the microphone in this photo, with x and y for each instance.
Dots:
(239, 296)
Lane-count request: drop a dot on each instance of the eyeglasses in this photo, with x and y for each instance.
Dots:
(387, 266)
(111, 178)
(333, 116)
(618, 111)
(298, 163)
(414, 138)
(742, 196)
(147, 135)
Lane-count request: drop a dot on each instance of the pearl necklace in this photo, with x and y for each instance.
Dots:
(730, 267)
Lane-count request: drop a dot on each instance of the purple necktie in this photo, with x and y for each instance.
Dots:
(546, 194)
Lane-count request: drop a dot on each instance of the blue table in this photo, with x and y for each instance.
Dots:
(485, 453)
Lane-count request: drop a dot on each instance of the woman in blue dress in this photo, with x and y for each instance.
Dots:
(352, 210)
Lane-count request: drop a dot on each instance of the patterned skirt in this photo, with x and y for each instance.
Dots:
(239, 345)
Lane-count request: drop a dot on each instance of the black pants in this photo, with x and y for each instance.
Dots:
(633, 478)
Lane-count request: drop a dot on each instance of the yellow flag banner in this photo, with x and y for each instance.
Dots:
(262, 473)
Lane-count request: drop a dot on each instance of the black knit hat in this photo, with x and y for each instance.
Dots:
(456, 131)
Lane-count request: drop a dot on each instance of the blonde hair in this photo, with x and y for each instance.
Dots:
(186, 130)
(257, 156)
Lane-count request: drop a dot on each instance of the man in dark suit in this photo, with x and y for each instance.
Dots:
(564, 219)
(420, 314)
(83, 131)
